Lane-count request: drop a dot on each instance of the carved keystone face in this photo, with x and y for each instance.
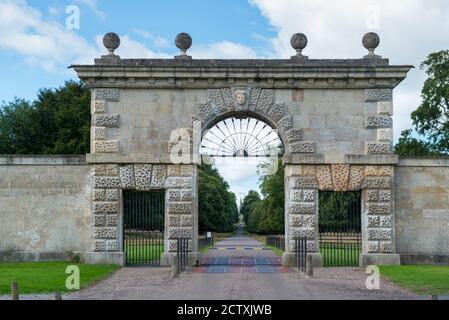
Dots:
(240, 97)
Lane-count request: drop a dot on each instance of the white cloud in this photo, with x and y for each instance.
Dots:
(93, 5)
(158, 41)
(409, 31)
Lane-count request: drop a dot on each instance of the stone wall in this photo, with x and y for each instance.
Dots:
(422, 209)
(44, 208)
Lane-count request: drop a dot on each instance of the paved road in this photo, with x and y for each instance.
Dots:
(155, 283)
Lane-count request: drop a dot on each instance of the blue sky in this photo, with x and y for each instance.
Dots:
(36, 47)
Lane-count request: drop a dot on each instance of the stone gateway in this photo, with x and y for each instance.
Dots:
(333, 116)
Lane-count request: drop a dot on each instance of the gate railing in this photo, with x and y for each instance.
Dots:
(182, 251)
(204, 241)
(277, 241)
(301, 253)
(340, 249)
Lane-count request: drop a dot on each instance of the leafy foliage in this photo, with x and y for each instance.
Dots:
(57, 122)
(217, 206)
(431, 118)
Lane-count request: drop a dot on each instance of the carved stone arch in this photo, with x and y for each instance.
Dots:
(254, 102)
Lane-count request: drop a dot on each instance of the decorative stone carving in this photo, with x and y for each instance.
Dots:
(266, 100)
(174, 220)
(375, 95)
(99, 106)
(158, 177)
(309, 195)
(99, 245)
(378, 147)
(386, 171)
(385, 221)
(174, 195)
(296, 195)
(127, 177)
(372, 196)
(216, 100)
(106, 146)
(277, 112)
(105, 233)
(286, 122)
(385, 195)
(356, 175)
(308, 233)
(386, 246)
(186, 170)
(99, 195)
(378, 122)
(175, 233)
(109, 94)
(385, 135)
(324, 178)
(293, 135)
(142, 174)
(302, 147)
(340, 176)
(379, 208)
(377, 183)
(254, 98)
(112, 195)
(111, 245)
(186, 195)
(178, 182)
(179, 207)
(240, 97)
(385, 108)
(106, 120)
(106, 182)
(173, 170)
(373, 246)
(302, 221)
(228, 98)
(303, 183)
(379, 234)
(186, 221)
(105, 207)
(99, 220)
(302, 208)
(111, 220)
(99, 133)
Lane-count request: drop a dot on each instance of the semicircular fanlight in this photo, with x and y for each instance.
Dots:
(241, 137)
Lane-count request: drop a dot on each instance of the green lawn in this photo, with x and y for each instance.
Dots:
(47, 277)
(420, 279)
(278, 252)
(139, 252)
(334, 257)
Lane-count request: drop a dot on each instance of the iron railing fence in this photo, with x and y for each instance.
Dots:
(182, 251)
(301, 253)
(277, 241)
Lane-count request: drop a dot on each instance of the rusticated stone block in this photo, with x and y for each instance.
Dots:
(311, 245)
(302, 221)
(303, 183)
(99, 133)
(307, 170)
(385, 135)
(178, 182)
(179, 207)
(302, 147)
(99, 170)
(112, 220)
(372, 196)
(142, 174)
(266, 100)
(186, 170)
(99, 245)
(175, 233)
(186, 221)
(106, 146)
(216, 100)
(107, 94)
(206, 111)
(254, 98)
(340, 176)
(386, 246)
(293, 170)
(379, 234)
(385, 108)
(174, 220)
(112, 195)
(173, 170)
(105, 233)
(377, 183)
(324, 177)
(127, 177)
(309, 195)
(302, 208)
(372, 221)
(294, 135)
(356, 175)
(378, 122)
(385, 171)
(371, 171)
(106, 120)
(286, 122)
(111, 245)
(186, 195)
(385, 222)
(379, 208)
(105, 207)
(99, 195)
(308, 233)
(106, 182)
(158, 177)
(174, 195)
(99, 106)
(373, 246)
(378, 147)
(375, 95)
(385, 195)
(99, 220)
(112, 170)
(277, 112)
(173, 245)
(296, 195)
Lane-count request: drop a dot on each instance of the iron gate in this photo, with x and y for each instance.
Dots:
(143, 226)
(340, 228)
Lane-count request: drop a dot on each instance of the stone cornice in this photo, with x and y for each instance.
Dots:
(166, 73)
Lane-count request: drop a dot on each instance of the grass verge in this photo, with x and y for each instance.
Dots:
(48, 277)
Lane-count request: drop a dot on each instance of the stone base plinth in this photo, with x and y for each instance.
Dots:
(118, 258)
(167, 258)
(289, 259)
(379, 259)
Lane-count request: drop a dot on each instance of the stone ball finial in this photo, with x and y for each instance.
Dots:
(371, 41)
(299, 42)
(111, 41)
(183, 42)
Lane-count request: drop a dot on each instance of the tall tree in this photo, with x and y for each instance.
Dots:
(248, 204)
(431, 119)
